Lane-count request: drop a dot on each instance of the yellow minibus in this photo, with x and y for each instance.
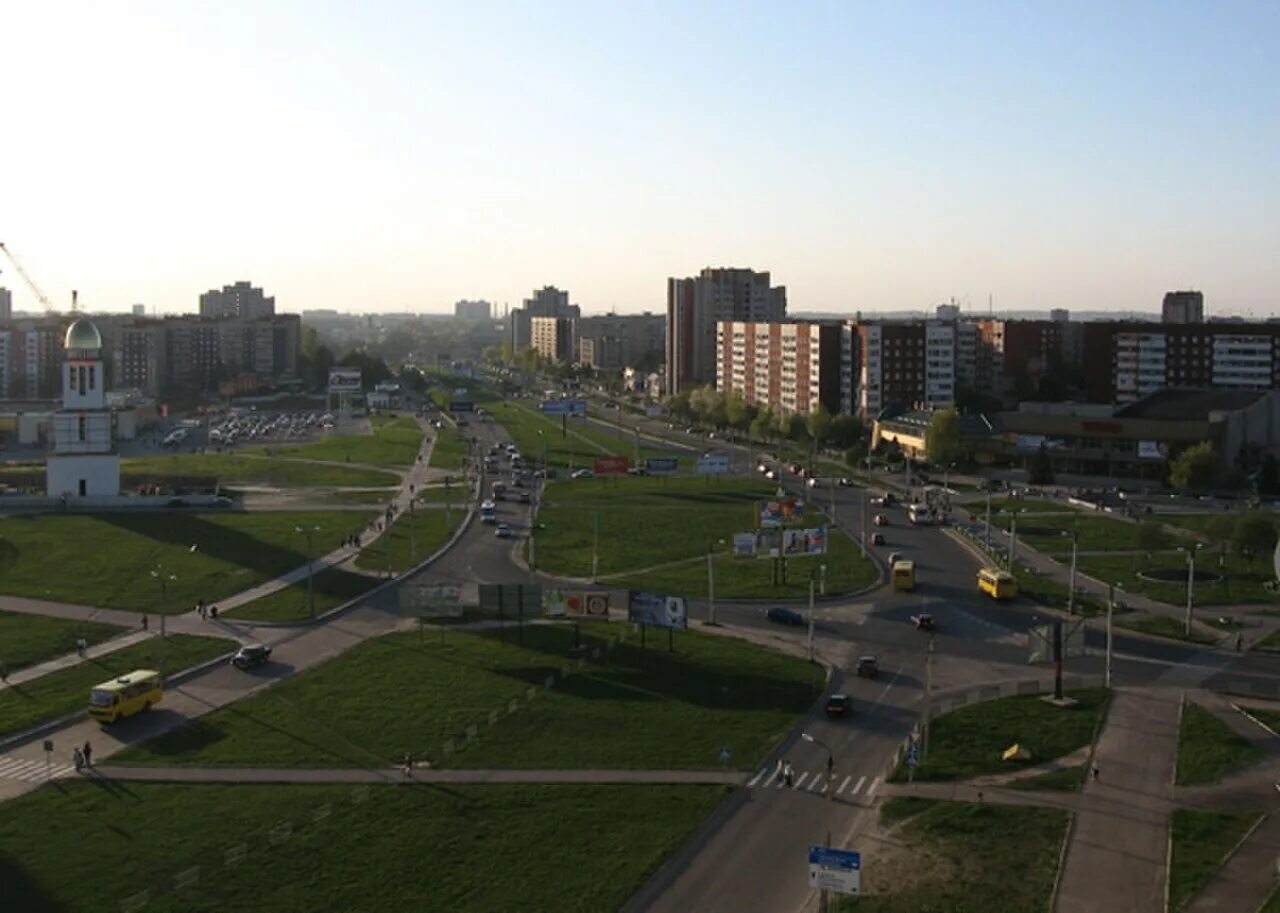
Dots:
(125, 696)
(904, 575)
(997, 584)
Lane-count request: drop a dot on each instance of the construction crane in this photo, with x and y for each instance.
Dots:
(40, 296)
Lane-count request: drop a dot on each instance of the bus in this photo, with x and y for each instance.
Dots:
(997, 584)
(488, 512)
(919, 514)
(125, 696)
(904, 575)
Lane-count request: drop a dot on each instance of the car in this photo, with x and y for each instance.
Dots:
(894, 558)
(867, 667)
(923, 622)
(784, 616)
(503, 531)
(846, 482)
(839, 705)
(582, 474)
(881, 520)
(524, 497)
(877, 538)
(251, 655)
(637, 471)
(812, 483)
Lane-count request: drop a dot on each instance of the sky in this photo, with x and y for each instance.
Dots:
(392, 156)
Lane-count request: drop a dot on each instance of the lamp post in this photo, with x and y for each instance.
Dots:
(831, 772)
(1191, 582)
(311, 592)
(163, 579)
(1111, 605)
(1071, 579)
(988, 520)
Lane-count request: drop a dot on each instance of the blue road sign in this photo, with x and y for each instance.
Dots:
(661, 465)
(841, 860)
(564, 407)
(459, 405)
(913, 756)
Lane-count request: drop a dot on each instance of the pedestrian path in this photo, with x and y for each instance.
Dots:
(815, 781)
(419, 774)
(32, 771)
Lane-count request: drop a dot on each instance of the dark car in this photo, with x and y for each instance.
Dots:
(924, 621)
(524, 497)
(877, 538)
(784, 616)
(868, 667)
(839, 705)
(251, 655)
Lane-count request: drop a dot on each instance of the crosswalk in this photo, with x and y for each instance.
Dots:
(815, 782)
(32, 771)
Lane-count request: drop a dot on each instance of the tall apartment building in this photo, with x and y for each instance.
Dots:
(696, 305)
(788, 367)
(239, 300)
(140, 358)
(547, 301)
(1125, 360)
(555, 337)
(616, 341)
(6, 303)
(1182, 307)
(472, 310)
(904, 364)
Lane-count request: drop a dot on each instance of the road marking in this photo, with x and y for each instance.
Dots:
(872, 788)
(24, 768)
(858, 786)
(844, 784)
(800, 782)
(8, 764)
(813, 784)
(753, 780)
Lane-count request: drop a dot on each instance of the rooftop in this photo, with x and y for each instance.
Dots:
(1189, 405)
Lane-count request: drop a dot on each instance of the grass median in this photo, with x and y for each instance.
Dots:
(205, 556)
(246, 848)
(1208, 748)
(66, 691)
(228, 469)
(412, 537)
(1052, 534)
(449, 450)
(1241, 581)
(329, 588)
(26, 640)
(1165, 626)
(1201, 841)
(395, 442)
(961, 858)
(968, 742)
(624, 706)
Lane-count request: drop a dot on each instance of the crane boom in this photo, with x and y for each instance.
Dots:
(40, 296)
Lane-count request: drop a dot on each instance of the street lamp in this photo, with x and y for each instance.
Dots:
(311, 592)
(831, 760)
(1191, 582)
(163, 579)
(1111, 605)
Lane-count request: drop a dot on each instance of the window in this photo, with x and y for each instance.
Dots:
(91, 373)
(80, 429)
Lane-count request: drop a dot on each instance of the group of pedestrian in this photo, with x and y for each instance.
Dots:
(206, 611)
(785, 772)
(82, 757)
(352, 541)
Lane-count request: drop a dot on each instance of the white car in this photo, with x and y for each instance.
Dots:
(582, 474)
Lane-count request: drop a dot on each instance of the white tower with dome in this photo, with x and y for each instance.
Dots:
(84, 462)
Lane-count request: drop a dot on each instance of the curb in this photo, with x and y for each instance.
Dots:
(1067, 833)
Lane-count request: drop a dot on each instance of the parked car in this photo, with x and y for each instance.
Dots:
(251, 655)
(846, 482)
(503, 531)
(877, 538)
(839, 705)
(784, 616)
(881, 520)
(867, 667)
(923, 622)
(582, 474)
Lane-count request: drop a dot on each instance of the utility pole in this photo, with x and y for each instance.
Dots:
(1071, 579)
(1111, 604)
(1013, 539)
(813, 671)
(1191, 581)
(711, 585)
(595, 549)
(988, 519)
(866, 496)
(928, 697)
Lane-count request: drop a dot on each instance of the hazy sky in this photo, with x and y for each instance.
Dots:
(384, 156)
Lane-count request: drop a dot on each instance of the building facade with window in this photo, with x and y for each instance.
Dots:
(787, 366)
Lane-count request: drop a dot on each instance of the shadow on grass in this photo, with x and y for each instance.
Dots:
(22, 892)
(223, 543)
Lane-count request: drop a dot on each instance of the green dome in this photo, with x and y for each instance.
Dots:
(82, 334)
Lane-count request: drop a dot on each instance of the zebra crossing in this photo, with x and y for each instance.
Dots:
(32, 771)
(814, 782)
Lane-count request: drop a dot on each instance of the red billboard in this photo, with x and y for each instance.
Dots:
(611, 466)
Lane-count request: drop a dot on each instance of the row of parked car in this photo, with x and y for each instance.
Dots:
(260, 426)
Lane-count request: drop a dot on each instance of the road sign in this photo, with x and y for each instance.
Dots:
(713, 464)
(564, 407)
(462, 405)
(430, 601)
(835, 870)
(913, 756)
(658, 466)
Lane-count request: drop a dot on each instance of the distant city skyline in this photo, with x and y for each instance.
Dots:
(401, 157)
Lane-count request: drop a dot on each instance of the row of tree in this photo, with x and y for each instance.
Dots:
(708, 406)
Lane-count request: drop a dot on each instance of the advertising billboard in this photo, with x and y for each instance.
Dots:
(763, 543)
(1152, 450)
(835, 870)
(779, 511)
(611, 466)
(713, 464)
(459, 406)
(661, 466)
(564, 407)
(431, 601)
(798, 542)
(344, 380)
(744, 545)
(657, 610)
(576, 605)
(510, 598)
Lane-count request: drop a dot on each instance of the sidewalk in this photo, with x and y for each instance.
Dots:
(1249, 876)
(420, 774)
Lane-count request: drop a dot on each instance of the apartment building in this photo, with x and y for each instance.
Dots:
(239, 300)
(472, 310)
(696, 305)
(547, 301)
(615, 341)
(904, 365)
(6, 303)
(1182, 307)
(139, 358)
(788, 367)
(555, 337)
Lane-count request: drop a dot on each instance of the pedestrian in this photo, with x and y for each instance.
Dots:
(77, 759)
(408, 764)
(81, 644)
(4, 672)
(145, 622)
(777, 770)
(1239, 642)
(788, 774)
(213, 612)
(88, 754)
(1095, 770)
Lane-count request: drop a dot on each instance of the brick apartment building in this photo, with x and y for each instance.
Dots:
(791, 367)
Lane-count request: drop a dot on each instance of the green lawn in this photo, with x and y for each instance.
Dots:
(355, 496)
(1201, 841)
(332, 587)
(450, 449)
(1067, 780)
(1208, 748)
(968, 859)
(1046, 591)
(229, 469)
(1165, 626)
(572, 444)
(393, 443)
(341, 849)
(456, 492)
(1273, 903)
(65, 691)
(633, 707)
(26, 640)
(1243, 581)
(1270, 643)
(412, 537)
(968, 742)
(1052, 534)
(113, 554)
(1268, 716)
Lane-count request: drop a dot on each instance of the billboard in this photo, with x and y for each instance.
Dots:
(458, 406)
(611, 466)
(659, 466)
(513, 598)
(344, 380)
(835, 870)
(1152, 450)
(778, 511)
(713, 464)
(744, 545)
(763, 543)
(798, 542)
(576, 605)
(657, 610)
(564, 407)
(441, 601)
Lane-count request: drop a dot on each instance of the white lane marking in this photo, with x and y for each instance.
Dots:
(813, 784)
(9, 764)
(872, 788)
(800, 782)
(25, 768)
(752, 782)
(844, 784)
(857, 787)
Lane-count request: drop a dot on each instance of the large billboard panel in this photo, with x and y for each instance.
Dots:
(744, 545)
(458, 406)
(713, 464)
(564, 407)
(661, 466)
(657, 610)
(510, 598)
(611, 466)
(779, 511)
(576, 605)
(1152, 450)
(798, 542)
(441, 601)
(344, 380)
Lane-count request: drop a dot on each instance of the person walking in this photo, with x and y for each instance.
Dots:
(1095, 770)
(81, 646)
(408, 764)
(145, 623)
(88, 754)
(77, 759)
(788, 774)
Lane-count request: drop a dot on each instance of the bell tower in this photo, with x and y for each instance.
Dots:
(84, 461)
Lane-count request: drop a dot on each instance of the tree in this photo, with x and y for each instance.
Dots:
(1195, 468)
(1254, 534)
(795, 427)
(856, 456)
(942, 440)
(1040, 467)
(763, 426)
(845, 431)
(818, 424)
